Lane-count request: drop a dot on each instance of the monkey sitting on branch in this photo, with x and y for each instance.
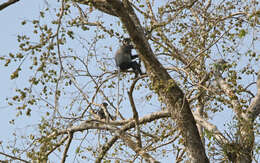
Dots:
(124, 58)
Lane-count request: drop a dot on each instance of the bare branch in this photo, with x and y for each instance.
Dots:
(8, 3)
(56, 97)
(169, 142)
(134, 146)
(211, 128)
(14, 158)
(101, 5)
(105, 148)
(204, 50)
(228, 90)
(83, 126)
(92, 124)
(56, 146)
(64, 156)
(145, 119)
(179, 156)
(135, 113)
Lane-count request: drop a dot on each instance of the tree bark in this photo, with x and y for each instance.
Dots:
(162, 83)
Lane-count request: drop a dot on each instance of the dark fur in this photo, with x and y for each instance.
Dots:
(124, 58)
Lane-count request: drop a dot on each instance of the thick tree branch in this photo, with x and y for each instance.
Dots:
(211, 128)
(247, 127)
(8, 3)
(254, 109)
(92, 124)
(163, 84)
(246, 120)
(227, 89)
(82, 127)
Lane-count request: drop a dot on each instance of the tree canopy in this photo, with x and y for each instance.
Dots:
(200, 59)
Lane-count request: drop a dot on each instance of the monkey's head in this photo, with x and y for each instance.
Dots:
(104, 104)
(127, 42)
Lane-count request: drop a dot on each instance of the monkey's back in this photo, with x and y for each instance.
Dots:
(123, 58)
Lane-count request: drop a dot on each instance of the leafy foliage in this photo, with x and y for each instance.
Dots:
(67, 62)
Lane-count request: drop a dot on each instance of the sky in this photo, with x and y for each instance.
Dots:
(10, 26)
(11, 18)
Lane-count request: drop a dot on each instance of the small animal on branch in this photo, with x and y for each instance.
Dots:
(125, 60)
(103, 112)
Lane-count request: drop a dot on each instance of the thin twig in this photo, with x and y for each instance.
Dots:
(56, 98)
(57, 146)
(213, 43)
(8, 3)
(13, 157)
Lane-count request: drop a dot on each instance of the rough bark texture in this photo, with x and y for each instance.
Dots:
(163, 84)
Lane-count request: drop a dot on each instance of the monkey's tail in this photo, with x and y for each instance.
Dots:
(118, 81)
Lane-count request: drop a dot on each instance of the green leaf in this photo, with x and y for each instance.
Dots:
(242, 33)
